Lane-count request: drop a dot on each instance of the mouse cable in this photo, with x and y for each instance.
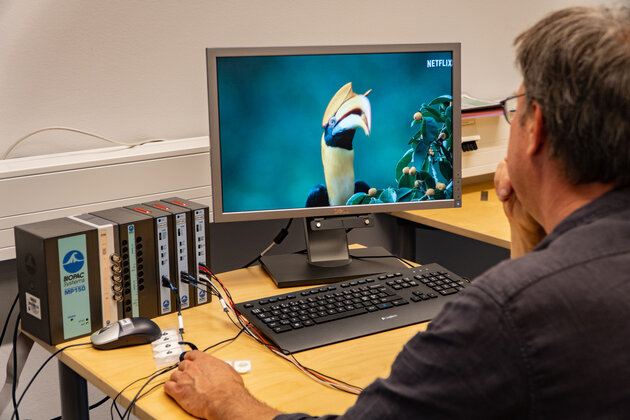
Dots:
(93, 406)
(313, 374)
(52, 356)
(284, 232)
(6, 322)
(74, 130)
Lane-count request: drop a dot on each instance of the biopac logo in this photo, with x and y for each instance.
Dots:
(73, 261)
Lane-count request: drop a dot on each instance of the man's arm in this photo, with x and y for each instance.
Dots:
(209, 388)
(526, 232)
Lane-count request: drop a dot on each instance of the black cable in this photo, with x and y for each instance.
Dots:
(14, 384)
(135, 399)
(284, 232)
(151, 377)
(114, 405)
(6, 322)
(93, 406)
(224, 341)
(326, 376)
(52, 356)
(368, 257)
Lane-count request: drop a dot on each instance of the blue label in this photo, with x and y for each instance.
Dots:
(74, 285)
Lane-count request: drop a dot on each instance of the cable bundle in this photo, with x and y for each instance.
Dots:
(247, 327)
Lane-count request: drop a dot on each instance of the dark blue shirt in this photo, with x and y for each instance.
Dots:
(544, 336)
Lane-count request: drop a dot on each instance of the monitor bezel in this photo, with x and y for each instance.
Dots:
(252, 215)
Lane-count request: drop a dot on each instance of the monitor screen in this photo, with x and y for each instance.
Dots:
(336, 130)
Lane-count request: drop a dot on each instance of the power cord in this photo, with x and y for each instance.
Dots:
(74, 130)
(52, 356)
(93, 406)
(6, 322)
(276, 241)
(14, 385)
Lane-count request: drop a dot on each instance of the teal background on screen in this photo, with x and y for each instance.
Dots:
(270, 120)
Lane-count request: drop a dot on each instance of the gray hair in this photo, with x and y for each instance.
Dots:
(576, 66)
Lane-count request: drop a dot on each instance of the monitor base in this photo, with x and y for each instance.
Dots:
(291, 270)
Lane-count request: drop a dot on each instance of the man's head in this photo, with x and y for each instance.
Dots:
(576, 67)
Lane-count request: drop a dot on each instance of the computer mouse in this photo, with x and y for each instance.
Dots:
(126, 332)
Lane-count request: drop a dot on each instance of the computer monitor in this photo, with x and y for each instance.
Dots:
(333, 134)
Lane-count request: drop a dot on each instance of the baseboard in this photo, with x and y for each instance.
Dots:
(45, 187)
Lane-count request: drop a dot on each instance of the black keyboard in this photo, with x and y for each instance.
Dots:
(328, 314)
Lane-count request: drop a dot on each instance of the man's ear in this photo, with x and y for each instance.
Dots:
(536, 130)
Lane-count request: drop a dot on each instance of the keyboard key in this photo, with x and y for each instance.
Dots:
(400, 302)
(340, 315)
(282, 328)
(448, 291)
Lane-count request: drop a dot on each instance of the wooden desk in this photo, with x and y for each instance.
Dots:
(476, 219)
(272, 379)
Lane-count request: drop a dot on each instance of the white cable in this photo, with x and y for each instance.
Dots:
(267, 249)
(74, 130)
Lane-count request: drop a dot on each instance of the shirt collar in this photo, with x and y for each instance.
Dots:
(611, 202)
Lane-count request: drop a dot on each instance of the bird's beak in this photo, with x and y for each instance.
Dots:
(354, 113)
(349, 109)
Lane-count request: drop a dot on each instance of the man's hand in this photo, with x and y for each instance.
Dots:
(526, 232)
(209, 388)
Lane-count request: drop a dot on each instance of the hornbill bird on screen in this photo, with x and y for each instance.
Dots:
(346, 112)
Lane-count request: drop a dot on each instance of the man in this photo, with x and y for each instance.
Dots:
(544, 335)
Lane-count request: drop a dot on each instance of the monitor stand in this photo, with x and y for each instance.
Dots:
(328, 258)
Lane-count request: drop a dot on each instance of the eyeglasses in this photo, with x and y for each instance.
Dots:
(509, 107)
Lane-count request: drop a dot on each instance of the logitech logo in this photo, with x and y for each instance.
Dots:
(385, 318)
(73, 261)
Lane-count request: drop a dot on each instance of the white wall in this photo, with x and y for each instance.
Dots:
(135, 69)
